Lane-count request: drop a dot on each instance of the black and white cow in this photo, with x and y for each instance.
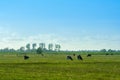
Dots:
(89, 55)
(26, 57)
(79, 57)
(69, 58)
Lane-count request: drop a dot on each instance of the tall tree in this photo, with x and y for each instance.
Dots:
(50, 47)
(57, 47)
(22, 49)
(110, 50)
(39, 51)
(34, 46)
(42, 46)
(103, 50)
(28, 47)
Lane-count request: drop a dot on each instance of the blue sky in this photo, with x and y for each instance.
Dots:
(75, 24)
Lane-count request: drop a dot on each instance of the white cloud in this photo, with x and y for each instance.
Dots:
(14, 40)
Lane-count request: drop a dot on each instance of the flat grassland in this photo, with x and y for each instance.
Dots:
(56, 67)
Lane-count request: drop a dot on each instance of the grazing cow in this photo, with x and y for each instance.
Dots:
(69, 58)
(89, 55)
(26, 57)
(79, 57)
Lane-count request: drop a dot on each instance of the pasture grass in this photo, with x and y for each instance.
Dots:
(56, 67)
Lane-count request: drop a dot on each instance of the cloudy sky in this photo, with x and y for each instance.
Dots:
(74, 24)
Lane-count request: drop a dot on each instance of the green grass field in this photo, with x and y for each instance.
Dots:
(56, 67)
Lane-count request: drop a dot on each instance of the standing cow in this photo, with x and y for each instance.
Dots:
(89, 55)
(79, 57)
(69, 58)
(26, 57)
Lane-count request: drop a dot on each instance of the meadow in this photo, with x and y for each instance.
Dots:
(56, 67)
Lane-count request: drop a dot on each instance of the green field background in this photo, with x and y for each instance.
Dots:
(55, 66)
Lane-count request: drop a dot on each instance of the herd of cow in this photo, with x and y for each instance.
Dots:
(79, 57)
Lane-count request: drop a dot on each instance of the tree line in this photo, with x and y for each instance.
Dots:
(42, 47)
(33, 47)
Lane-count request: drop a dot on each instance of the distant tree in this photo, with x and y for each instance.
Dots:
(34, 46)
(57, 47)
(50, 47)
(110, 50)
(39, 51)
(12, 50)
(28, 47)
(6, 50)
(103, 50)
(42, 46)
(22, 49)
